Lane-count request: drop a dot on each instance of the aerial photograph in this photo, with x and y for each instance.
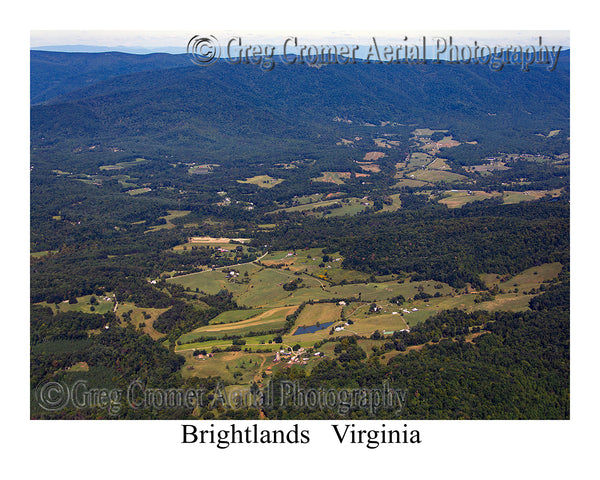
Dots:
(293, 227)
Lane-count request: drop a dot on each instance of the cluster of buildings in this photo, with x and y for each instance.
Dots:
(294, 358)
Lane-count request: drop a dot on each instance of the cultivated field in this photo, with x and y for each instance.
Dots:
(263, 291)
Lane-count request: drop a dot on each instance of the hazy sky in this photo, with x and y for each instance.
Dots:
(179, 39)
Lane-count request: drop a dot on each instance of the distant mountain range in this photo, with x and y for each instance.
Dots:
(161, 103)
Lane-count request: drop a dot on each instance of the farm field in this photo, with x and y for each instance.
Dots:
(517, 197)
(233, 316)
(458, 198)
(354, 318)
(271, 303)
(236, 367)
(267, 320)
(122, 165)
(332, 177)
(139, 191)
(341, 207)
(435, 176)
(83, 305)
(262, 181)
(409, 182)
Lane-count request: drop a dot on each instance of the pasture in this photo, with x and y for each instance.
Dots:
(458, 198)
(122, 165)
(262, 290)
(232, 316)
(140, 315)
(436, 176)
(373, 156)
(172, 214)
(262, 181)
(319, 313)
(267, 320)
(236, 367)
(332, 177)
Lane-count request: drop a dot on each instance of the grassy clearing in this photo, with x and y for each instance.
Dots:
(373, 156)
(436, 176)
(425, 132)
(526, 280)
(517, 197)
(332, 177)
(83, 305)
(255, 341)
(42, 254)
(319, 313)
(382, 322)
(487, 167)
(139, 191)
(237, 367)
(122, 165)
(458, 198)
(439, 164)
(139, 316)
(268, 320)
(384, 290)
(409, 182)
(420, 159)
(233, 316)
(352, 207)
(263, 181)
(395, 205)
(370, 167)
(172, 214)
(307, 207)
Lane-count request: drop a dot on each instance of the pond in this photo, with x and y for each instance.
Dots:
(312, 328)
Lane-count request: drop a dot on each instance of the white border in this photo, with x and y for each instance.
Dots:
(452, 449)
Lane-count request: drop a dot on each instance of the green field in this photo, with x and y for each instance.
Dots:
(319, 313)
(42, 254)
(332, 177)
(139, 191)
(172, 214)
(409, 182)
(436, 176)
(83, 305)
(458, 198)
(233, 316)
(420, 159)
(395, 205)
(262, 290)
(263, 181)
(270, 319)
(138, 316)
(226, 365)
(122, 165)
(516, 197)
(425, 132)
